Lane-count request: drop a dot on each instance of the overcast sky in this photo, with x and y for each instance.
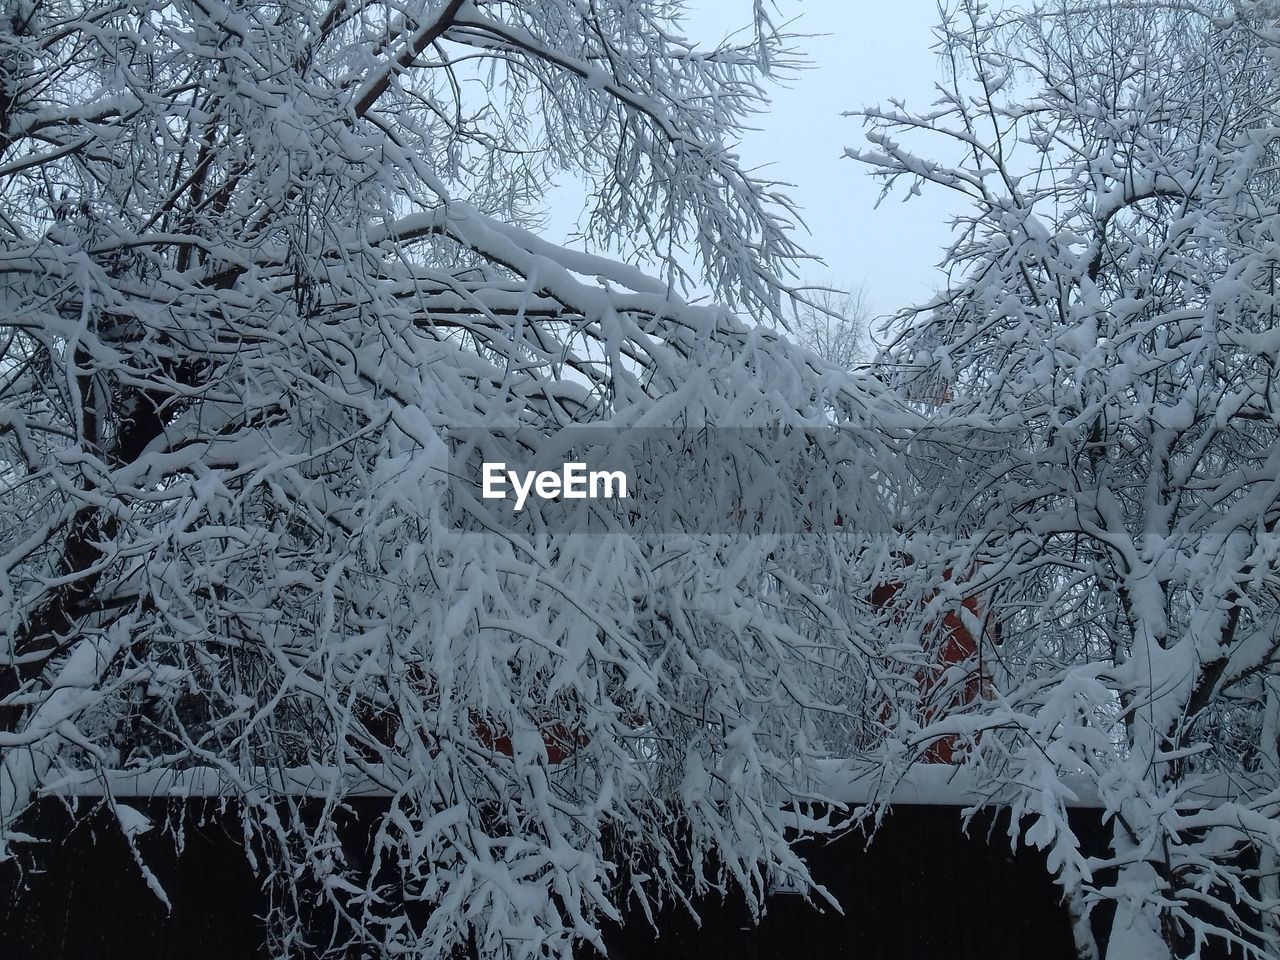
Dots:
(862, 54)
(870, 53)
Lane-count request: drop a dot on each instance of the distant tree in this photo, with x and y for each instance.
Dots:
(835, 325)
(1104, 459)
(258, 258)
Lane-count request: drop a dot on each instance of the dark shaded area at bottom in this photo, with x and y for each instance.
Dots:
(922, 890)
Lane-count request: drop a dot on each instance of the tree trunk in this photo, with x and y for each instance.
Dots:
(1135, 930)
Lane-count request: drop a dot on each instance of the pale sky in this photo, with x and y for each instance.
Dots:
(871, 52)
(866, 53)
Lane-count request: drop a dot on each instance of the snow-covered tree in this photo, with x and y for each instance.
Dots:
(258, 259)
(1104, 462)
